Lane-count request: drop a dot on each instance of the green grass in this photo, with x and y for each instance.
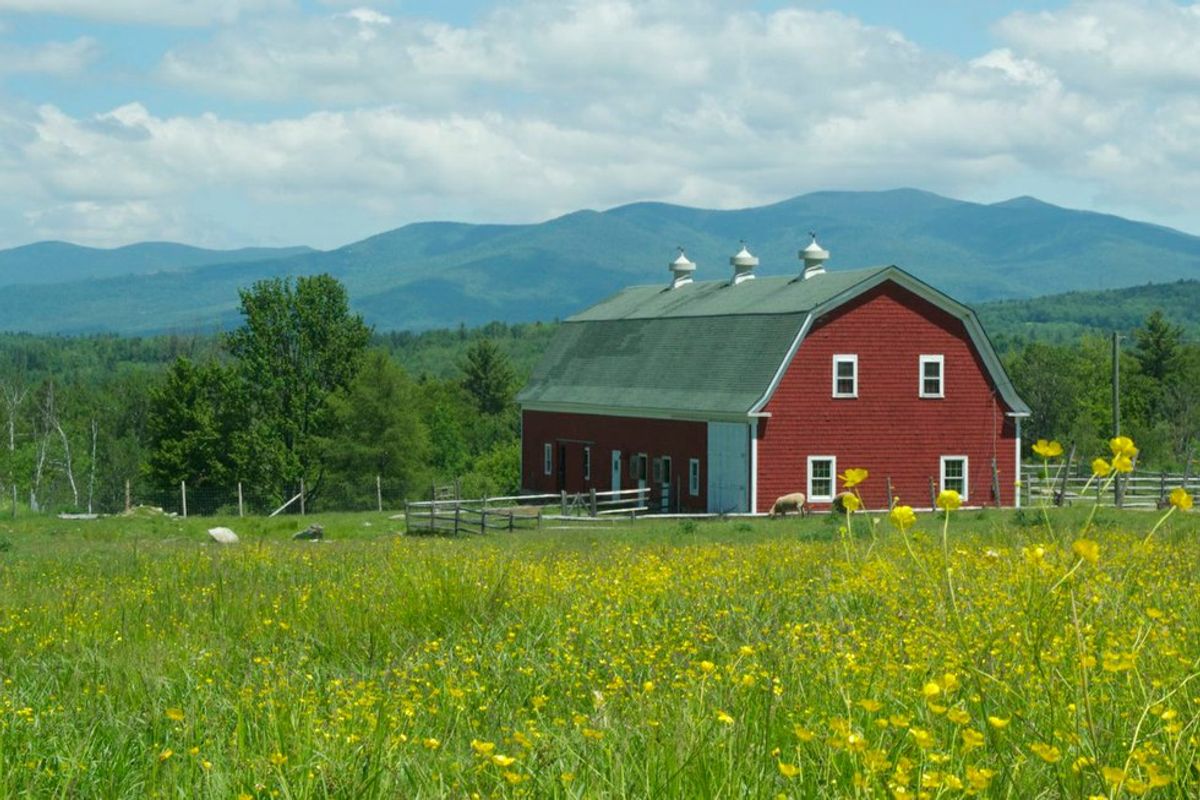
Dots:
(664, 659)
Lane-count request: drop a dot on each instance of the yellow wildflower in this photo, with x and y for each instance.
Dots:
(430, 743)
(279, 759)
(482, 748)
(958, 716)
(1087, 549)
(1123, 464)
(854, 477)
(1101, 468)
(1051, 449)
(851, 502)
(922, 737)
(1122, 446)
(175, 714)
(931, 689)
(949, 500)
(971, 739)
(1181, 499)
(903, 517)
(1113, 775)
(502, 761)
(803, 733)
(870, 706)
(707, 666)
(1118, 662)
(788, 770)
(979, 778)
(1046, 752)
(165, 754)
(724, 718)
(999, 723)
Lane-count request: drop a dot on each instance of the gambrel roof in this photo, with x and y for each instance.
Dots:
(709, 350)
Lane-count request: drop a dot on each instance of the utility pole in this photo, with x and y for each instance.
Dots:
(1118, 484)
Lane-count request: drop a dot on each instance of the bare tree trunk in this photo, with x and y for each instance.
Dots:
(92, 469)
(38, 469)
(14, 396)
(52, 421)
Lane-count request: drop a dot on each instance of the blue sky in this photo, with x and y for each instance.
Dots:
(239, 122)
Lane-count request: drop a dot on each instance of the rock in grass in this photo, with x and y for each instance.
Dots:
(310, 534)
(223, 535)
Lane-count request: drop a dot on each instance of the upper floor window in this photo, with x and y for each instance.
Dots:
(694, 476)
(587, 463)
(845, 376)
(932, 383)
(548, 458)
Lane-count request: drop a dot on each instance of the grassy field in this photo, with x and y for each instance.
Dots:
(682, 659)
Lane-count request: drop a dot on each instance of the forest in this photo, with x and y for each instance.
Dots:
(303, 393)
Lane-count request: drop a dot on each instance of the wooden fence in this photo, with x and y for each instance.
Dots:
(488, 514)
(1057, 484)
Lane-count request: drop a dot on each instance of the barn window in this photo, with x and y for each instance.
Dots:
(954, 474)
(587, 463)
(637, 466)
(665, 469)
(845, 376)
(693, 476)
(931, 376)
(821, 472)
(548, 458)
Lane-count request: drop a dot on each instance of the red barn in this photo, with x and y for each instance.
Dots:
(720, 396)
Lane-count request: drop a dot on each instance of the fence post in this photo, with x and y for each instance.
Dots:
(890, 500)
(564, 502)
(457, 519)
(183, 496)
(128, 497)
(407, 527)
(592, 500)
(932, 495)
(241, 507)
(379, 493)
(1162, 489)
(302, 497)
(510, 521)
(14, 488)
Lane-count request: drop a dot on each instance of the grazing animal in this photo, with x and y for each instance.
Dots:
(796, 501)
(838, 506)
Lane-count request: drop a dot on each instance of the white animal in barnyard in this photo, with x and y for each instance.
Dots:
(796, 501)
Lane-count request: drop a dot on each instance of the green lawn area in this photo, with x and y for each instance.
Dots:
(738, 658)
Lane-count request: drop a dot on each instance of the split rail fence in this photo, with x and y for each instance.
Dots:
(519, 512)
(1058, 483)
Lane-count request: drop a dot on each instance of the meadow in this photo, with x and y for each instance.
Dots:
(652, 659)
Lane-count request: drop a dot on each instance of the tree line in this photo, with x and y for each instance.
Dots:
(304, 391)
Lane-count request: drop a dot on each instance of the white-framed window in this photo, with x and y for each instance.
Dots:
(665, 470)
(548, 458)
(845, 375)
(822, 478)
(932, 383)
(954, 474)
(693, 476)
(587, 463)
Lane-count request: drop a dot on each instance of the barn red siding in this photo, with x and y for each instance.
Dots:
(680, 440)
(887, 429)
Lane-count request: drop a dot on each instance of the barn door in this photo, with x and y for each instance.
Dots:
(728, 467)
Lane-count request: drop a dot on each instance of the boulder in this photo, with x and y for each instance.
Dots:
(312, 533)
(223, 535)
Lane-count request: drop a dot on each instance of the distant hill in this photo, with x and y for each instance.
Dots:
(443, 274)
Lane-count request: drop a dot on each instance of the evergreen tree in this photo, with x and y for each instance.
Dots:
(1158, 346)
(488, 377)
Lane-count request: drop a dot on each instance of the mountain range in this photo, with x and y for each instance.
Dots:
(442, 274)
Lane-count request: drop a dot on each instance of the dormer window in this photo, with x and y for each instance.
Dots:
(845, 376)
(930, 377)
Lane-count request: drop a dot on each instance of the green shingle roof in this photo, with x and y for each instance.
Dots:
(705, 348)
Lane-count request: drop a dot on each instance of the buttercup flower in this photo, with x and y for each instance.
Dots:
(851, 502)
(1122, 446)
(903, 517)
(1048, 449)
(949, 500)
(1101, 468)
(1181, 499)
(1123, 463)
(853, 477)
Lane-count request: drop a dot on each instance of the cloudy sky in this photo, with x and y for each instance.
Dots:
(239, 122)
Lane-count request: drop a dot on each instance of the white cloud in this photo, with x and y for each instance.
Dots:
(544, 107)
(52, 58)
(148, 12)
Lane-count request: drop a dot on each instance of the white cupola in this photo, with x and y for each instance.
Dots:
(682, 270)
(814, 257)
(743, 263)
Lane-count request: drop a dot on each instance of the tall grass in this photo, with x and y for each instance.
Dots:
(719, 659)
